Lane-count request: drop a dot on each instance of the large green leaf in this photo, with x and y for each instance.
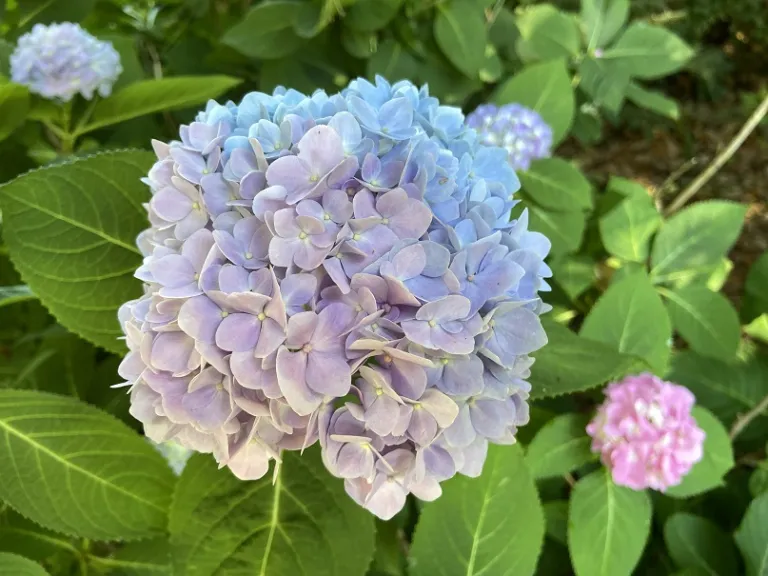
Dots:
(140, 558)
(74, 469)
(695, 542)
(631, 317)
(574, 274)
(653, 101)
(561, 446)
(627, 228)
(608, 526)
(647, 51)
(461, 34)
(564, 229)
(493, 524)
(304, 523)
(752, 537)
(755, 300)
(546, 33)
(266, 31)
(149, 96)
(693, 241)
(22, 536)
(707, 320)
(726, 389)
(14, 105)
(19, 566)
(602, 20)
(71, 231)
(558, 185)
(606, 84)
(371, 15)
(545, 88)
(708, 473)
(570, 363)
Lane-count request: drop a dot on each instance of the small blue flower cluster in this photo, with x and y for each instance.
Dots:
(517, 129)
(61, 60)
(340, 269)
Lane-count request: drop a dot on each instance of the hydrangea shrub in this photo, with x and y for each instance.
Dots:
(337, 269)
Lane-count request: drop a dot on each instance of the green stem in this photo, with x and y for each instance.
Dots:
(720, 159)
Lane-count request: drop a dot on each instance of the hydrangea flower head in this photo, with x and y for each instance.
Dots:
(60, 60)
(645, 433)
(339, 270)
(519, 130)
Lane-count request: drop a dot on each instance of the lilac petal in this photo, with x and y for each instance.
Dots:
(301, 328)
(386, 498)
(271, 337)
(199, 317)
(238, 332)
(250, 463)
(248, 370)
(423, 427)
(328, 374)
(461, 433)
(197, 247)
(291, 377)
(170, 204)
(174, 352)
(409, 262)
(440, 406)
(294, 175)
(354, 461)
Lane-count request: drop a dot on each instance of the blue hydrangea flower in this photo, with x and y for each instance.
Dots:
(517, 129)
(305, 249)
(61, 60)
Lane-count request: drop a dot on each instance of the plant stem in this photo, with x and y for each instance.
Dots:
(744, 421)
(721, 158)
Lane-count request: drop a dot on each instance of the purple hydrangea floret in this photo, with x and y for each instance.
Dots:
(522, 132)
(60, 60)
(342, 270)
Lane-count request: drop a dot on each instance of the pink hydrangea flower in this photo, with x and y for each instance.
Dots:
(645, 433)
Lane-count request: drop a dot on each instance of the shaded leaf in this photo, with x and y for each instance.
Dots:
(141, 558)
(266, 31)
(574, 274)
(71, 231)
(695, 542)
(371, 15)
(556, 514)
(560, 447)
(608, 526)
(149, 96)
(13, 294)
(14, 105)
(652, 100)
(304, 523)
(461, 34)
(503, 523)
(631, 317)
(557, 185)
(708, 473)
(752, 537)
(19, 566)
(74, 469)
(707, 320)
(755, 301)
(22, 536)
(604, 83)
(546, 88)
(564, 229)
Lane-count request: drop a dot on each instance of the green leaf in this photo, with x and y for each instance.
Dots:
(493, 524)
(602, 20)
(708, 473)
(71, 231)
(564, 229)
(13, 294)
(574, 274)
(653, 101)
(605, 84)
(631, 317)
(608, 526)
(461, 34)
(726, 389)
(752, 537)
(19, 566)
(647, 51)
(560, 447)
(126, 46)
(627, 228)
(22, 536)
(6, 49)
(392, 60)
(758, 328)
(149, 96)
(758, 480)
(14, 105)
(360, 45)
(141, 558)
(547, 33)
(755, 300)
(570, 363)
(694, 240)
(74, 469)
(304, 523)
(371, 15)
(707, 320)
(266, 31)
(557, 185)
(492, 66)
(695, 542)
(556, 514)
(545, 88)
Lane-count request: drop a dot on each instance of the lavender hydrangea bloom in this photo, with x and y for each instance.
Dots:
(517, 129)
(336, 269)
(61, 60)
